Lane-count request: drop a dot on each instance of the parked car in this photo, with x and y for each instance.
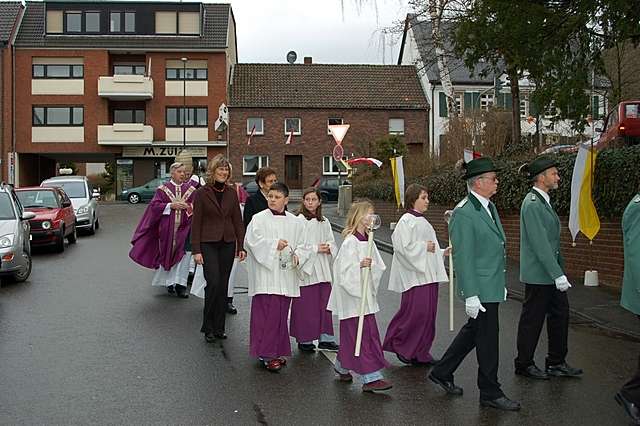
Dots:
(143, 192)
(55, 218)
(622, 126)
(328, 186)
(251, 187)
(555, 149)
(80, 192)
(15, 246)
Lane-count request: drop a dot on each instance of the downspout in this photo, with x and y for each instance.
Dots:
(14, 35)
(432, 123)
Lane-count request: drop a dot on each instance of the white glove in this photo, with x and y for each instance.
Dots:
(473, 306)
(562, 283)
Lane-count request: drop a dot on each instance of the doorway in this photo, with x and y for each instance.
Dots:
(293, 171)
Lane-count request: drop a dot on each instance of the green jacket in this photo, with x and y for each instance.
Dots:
(540, 258)
(479, 256)
(631, 242)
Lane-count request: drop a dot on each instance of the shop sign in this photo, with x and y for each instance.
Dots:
(162, 151)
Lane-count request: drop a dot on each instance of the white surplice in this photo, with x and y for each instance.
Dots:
(412, 264)
(316, 267)
(178, 274)
(346, 291)
(266, 274)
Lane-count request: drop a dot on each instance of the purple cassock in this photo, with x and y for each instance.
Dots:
(371, 358)
(268, 330)
(159, 239)
(309, 315)
(411, 331)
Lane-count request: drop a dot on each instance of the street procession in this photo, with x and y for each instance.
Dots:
(430, 216)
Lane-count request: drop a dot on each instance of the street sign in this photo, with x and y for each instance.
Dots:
(338, 152)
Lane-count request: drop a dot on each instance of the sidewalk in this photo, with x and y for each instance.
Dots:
(592, 306)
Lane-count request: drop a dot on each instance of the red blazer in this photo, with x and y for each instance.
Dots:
(213, 221)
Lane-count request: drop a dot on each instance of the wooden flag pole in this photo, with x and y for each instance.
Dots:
(363, 297)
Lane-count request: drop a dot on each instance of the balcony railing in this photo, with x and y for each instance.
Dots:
(126, 87)
(125, 134)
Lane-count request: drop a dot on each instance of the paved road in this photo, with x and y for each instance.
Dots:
(87, 340)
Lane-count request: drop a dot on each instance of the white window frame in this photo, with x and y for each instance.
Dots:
(263, 161)
(329, 124)
(524, 107)
(332, 164)
(295, 133)
(260, 130)
(486, 101)
(396, 132)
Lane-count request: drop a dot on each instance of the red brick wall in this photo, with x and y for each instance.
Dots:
(605, 254)
(314, 143)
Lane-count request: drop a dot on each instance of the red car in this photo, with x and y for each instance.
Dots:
(55, 219)
(622, 126)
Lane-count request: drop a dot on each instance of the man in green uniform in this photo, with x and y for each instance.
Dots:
(479, 257)
(541, 271)
(629, 395)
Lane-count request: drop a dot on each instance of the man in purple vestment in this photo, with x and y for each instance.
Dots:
(159, 240)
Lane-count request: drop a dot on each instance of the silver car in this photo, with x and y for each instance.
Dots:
(15, 245)
(83, 199)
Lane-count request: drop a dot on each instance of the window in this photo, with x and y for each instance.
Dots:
(189, 23)
(631, 110)
(117, 18)
(195, 117)
(396, 126)
(329, 166)
(166, 22)
(258, 123)
(251, 163)
(114, 22)
(58, 116)
(191, 73)
(524, 107)
(128, 116)
(129, 22)
(292, 124)
(332, 122)
(128, 70)
(92, 22)
(57, 71)
(73, 22)
(486, 102)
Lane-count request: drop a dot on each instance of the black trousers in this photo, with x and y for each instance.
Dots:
(482, 334)
(218, 261)
(540, 302)
(631, 389)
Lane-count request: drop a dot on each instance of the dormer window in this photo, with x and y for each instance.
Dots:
(73, 22)
(121, 21)
(77, 22)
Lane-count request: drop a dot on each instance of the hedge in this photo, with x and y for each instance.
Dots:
(616, 181)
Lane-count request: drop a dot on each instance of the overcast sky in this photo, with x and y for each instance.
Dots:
(268, 29)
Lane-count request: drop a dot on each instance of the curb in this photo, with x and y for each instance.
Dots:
(519, 296)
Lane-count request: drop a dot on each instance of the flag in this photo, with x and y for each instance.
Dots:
(289, 138)
(253, 132)
(397, 169)
(471, 155)
(583, 216)
(365, 160)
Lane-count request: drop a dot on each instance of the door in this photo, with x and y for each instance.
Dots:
(293, 171)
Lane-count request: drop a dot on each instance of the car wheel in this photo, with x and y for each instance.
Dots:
(97, 223)
(73, 236)
(324, 197)
(22, 276)
(92, 230)
(59, 247)
(133, 198)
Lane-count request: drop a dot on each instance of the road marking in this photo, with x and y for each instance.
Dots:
(330, 355)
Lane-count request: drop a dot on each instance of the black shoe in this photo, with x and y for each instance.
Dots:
(329, 346)
(532, 372)
(431, 363)
(502, 403)
(231, 309)
(449, 387)
(171, 289)
(307, 347)
(629, 407)
(221, 336)
(209, 337)
(403, 359)
(563, 370)
(181, 291)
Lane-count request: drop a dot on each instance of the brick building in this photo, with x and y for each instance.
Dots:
(375, 100)
(103, 81)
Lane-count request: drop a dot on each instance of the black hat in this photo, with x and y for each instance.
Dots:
(478, 166)
(537, 166)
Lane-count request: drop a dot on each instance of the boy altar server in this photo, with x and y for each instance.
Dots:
(271, 241)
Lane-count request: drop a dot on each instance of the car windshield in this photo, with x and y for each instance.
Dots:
(73, 189)
(6, 208)
(632, 110)
(38, 198)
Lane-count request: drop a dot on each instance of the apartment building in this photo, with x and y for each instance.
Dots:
(130, 82)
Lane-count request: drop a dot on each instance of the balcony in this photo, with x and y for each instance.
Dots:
(125, 134)
(126, 87)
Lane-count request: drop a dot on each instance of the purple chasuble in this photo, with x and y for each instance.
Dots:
(159, 239)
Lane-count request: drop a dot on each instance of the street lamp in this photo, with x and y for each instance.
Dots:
(184, 102)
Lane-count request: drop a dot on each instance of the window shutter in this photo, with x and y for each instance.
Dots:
(468, 101)
(533, 108)
(442, 105)
(595, 107)
(508, 101)
(475, 99)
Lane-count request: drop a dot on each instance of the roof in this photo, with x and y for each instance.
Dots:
(458, 71)
(9, 11)
(326, 86)
(214, 37)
